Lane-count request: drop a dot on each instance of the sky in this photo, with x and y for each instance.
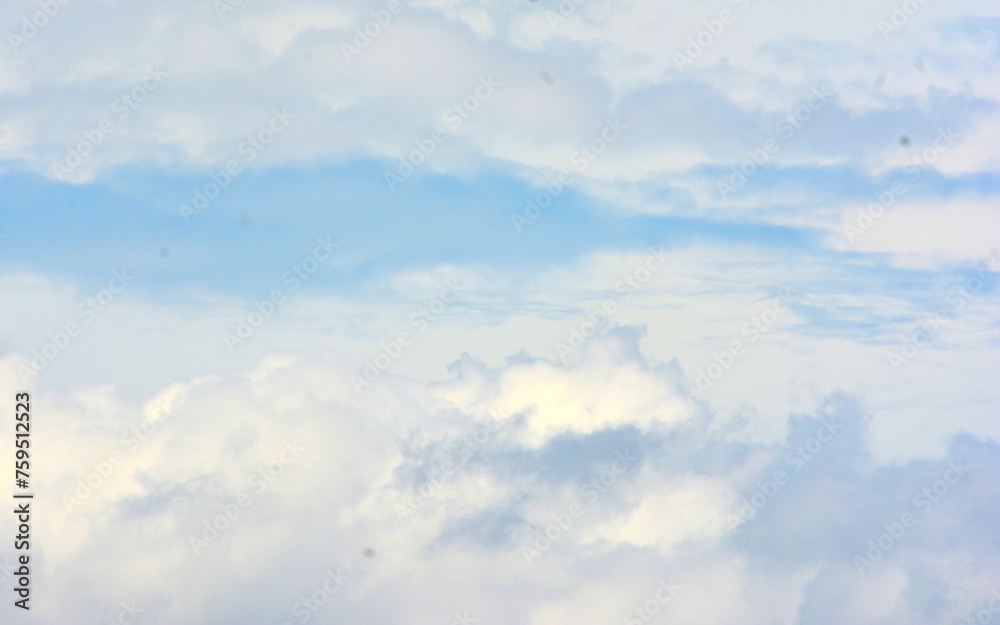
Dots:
(508, 313)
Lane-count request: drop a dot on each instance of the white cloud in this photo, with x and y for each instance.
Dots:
(923, 233)
(557, 400)
(325, 470)
(224, 73)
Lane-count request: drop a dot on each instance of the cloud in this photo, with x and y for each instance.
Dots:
(380, 100)
(560, 400)
(920, 233)
(564, 470)
(469, 493)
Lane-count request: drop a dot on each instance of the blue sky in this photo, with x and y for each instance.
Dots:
(767, 274)
(431, 221)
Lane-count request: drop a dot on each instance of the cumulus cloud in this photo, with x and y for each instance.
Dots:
(529, 492)
(841, 157)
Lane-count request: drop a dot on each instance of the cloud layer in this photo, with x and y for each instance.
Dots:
(530, 493)
(375, 98)
(452, 312)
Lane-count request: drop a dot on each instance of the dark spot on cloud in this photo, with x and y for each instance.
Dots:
(546, 77)
(369, 552)
(164, 252)
(904, 140)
